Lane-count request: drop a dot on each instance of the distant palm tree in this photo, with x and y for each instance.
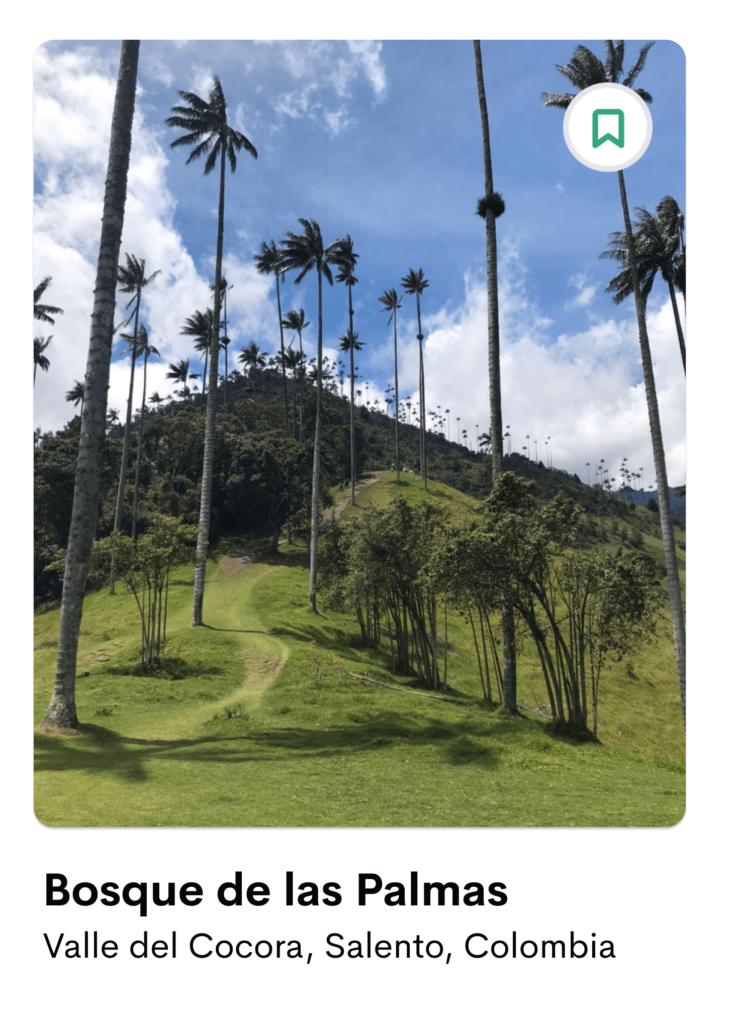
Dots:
(307, 252)
(391, 302)
(39, 359)
(41, 311)
(584, 70)
(209, 132)
(76, 395)
(131, 280)
(61, 712)
(252, 358)
(147, 350)
(200, 327)
(269, 261)
(350, 343)
(490, 207)
(414, 283)
(179, 373)
(295, 321)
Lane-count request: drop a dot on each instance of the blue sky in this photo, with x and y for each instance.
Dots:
(381, 141)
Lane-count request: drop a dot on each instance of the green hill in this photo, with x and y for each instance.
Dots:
(273, 716)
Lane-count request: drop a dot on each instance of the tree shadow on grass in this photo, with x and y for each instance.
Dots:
(102, 751)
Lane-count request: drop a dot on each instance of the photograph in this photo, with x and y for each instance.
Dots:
(359, 433)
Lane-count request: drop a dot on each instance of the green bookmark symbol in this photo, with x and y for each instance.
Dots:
(619, 140)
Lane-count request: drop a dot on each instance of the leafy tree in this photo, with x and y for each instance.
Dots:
(39, 359)
(40, 310)
(391, 302)
(61, 712)
(307, 252)
(210, 134)
(584, 70)
(145, 565)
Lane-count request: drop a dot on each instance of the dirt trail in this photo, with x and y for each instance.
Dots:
(345, 501)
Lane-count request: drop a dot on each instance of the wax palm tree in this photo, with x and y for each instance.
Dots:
(584, 70)
(209, 133)
(131, 280)
(657, 250)
(41, 311)
(39, 359)
(490, 207)
(269, 261)
(179, 373)
(200, 327)
(295, 321)
(349, 341)
(391, 302)
(252, 357)
(61, 711)
(305, 252)
(414, 283)
(147, 350)
(76, 395)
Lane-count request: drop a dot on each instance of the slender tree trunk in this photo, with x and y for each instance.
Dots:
(353, 413)
(315, 509)
(139, 448)
(61, 711)
(302, 381)
(659, 459)
(126, 443)
(494, 374)
(422, 433)
(204, 522)
(396, 400)
(282, 349)
(677, 318)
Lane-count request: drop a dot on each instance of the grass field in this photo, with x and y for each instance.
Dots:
(265, 723)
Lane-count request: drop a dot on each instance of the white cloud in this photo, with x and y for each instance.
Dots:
(585, 292)
(584, 390)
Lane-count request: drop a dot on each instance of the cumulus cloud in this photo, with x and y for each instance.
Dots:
(584, 391)
(585, 292)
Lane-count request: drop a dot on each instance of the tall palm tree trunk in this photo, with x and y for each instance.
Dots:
(282, 354)
(302, 381)
(659, 459)
(126, 442)
(61, 712)
(315, 509)
(396, 401)
(494, 374)
(353, 413)
(677, 318)
(422, 432)
(139, 448)
(204, 522)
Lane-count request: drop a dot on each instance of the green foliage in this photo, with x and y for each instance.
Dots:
(145, 565)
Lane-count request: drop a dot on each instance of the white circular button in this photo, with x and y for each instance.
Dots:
(607, 127)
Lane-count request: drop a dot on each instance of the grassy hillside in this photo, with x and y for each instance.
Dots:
(265, 718)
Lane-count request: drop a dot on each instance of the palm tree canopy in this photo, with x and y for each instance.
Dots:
(208, 129)
(349, 341)
(252, 357)
(41, 311)
(178, 371)
(39, 347)
(139, 344)
(131, 278)
(306, 252)
(414, 283)
(656, 242)
(391, 302)
(200, 327)
(586, 69)
(76, 393)
(347, 260)
(269, 259)
(295, 320)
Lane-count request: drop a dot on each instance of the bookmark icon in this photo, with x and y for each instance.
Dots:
(612, 124)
